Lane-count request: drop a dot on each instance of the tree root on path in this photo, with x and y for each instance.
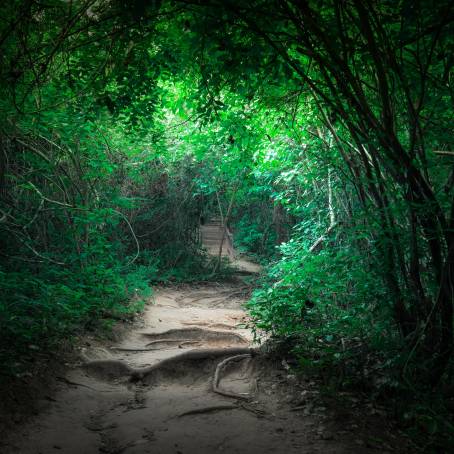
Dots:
(168, 341)
(196, 323)
(194, 333)
(212, 409)
(209, 325)
(217, 377)
(73, 383)
(181, 343)
(257, 411)
(222, 326)
(191, 355)
(228, 297)
(117, 369)
(219, 301)
(172, 341)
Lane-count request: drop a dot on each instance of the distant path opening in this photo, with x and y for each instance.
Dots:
(212, 234)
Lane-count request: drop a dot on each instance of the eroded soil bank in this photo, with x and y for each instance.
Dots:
(184, 380)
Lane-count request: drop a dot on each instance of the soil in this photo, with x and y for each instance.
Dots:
(188, 379)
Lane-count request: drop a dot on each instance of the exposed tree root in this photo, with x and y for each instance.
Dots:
(73, 383)
(115, 369)
(172, 341)
(195, 323)
(229, 292)
(196, 300)
(299, 408)
(181, 343)
(219, 301)
(192, 355)
(212, 409)
(257, 411)
(226, 295)
(217, 377)
(194, 333)
(199, 295)
(221, 326)
(209, 325)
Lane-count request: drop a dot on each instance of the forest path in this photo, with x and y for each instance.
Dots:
(153, 391)
(212, 234)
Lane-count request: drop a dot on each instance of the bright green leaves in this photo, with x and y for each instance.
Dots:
(318, 300)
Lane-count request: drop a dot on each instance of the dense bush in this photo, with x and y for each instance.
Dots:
(332, 307)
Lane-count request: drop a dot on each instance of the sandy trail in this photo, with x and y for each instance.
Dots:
(100, 410)
(135, 397)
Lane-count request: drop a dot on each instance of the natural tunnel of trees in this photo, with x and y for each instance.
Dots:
(324, 129)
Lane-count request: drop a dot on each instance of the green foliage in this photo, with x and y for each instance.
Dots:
(327, 128)
(330, 304)
(254, 238)
(38, 311)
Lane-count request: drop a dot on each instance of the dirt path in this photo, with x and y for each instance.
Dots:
(169, 388)
(103, 408)
(212, 233)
